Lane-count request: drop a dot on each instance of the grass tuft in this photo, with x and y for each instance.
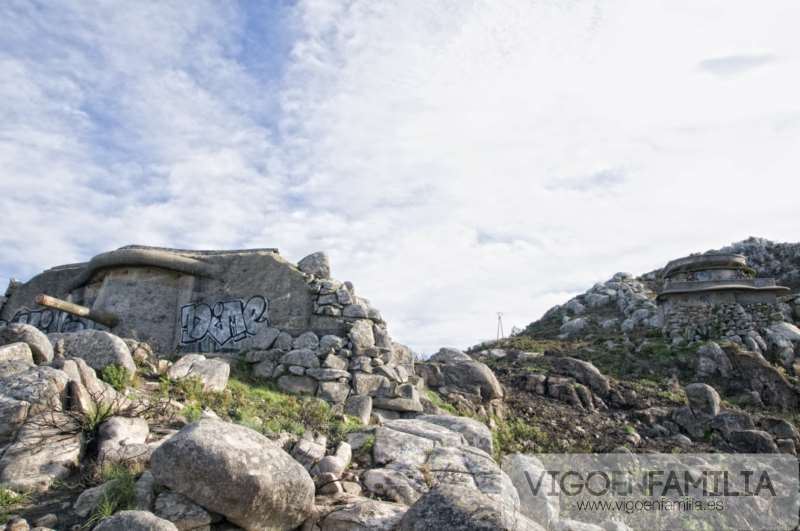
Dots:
(10, 501)
(260, 405)
(121, 495)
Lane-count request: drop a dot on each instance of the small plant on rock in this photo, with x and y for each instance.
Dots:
(439, 402)
(116, 376)
(192, 412)
(121, 494)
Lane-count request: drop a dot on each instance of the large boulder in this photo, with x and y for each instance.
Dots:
(728, 421)
(98, 348)
(317, 264)
(354, 513)
(752, 442)
(471, 376)
(86, 391)
(92, 497)
(212, 373)
(135, 521)
(584, 372)
(762, 377)
(123, 439)
(236, 472)
(460, 373)
(463, 508)
(575, 327)
(449, 355)
(47, 448)
(409, 440)
(525, 471)
(403, 356)
(406, 399)
(785, 330)
(26, 389)
(712, 361)
(40, 346)
(301, 357)
(43, 387)
(474, 431)
(703, 400)
(359, 406)
(16, 352)
(417, 454)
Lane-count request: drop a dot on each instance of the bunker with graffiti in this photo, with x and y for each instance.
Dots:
(190, 301)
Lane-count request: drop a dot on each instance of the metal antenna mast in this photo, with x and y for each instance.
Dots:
(500, 333)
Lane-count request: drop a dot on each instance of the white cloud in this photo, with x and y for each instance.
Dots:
(456, 159)
(735, 64)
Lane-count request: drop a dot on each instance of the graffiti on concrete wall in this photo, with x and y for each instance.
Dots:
(223, 323)
(52, 321)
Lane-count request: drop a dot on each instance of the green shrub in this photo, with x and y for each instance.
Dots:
(192, 412)
(117, 377)
(191, 388)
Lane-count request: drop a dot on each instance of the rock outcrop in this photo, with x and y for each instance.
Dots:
(452, 372)
(416, 454)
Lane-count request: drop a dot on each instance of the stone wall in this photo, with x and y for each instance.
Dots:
(742, 323)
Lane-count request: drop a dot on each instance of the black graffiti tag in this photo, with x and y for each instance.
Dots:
(224, 321)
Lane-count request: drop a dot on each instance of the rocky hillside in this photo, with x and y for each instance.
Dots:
(625, 305)
(597, 373)
(339, 431)
(771, 259)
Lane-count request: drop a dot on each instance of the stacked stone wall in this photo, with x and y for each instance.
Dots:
(739, 322)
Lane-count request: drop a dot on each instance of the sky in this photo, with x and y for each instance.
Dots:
(454, 158)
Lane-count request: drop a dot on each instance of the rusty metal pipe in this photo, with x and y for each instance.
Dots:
(104, 318)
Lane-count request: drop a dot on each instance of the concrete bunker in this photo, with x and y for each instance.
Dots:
(714, 296)
(189, 301)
